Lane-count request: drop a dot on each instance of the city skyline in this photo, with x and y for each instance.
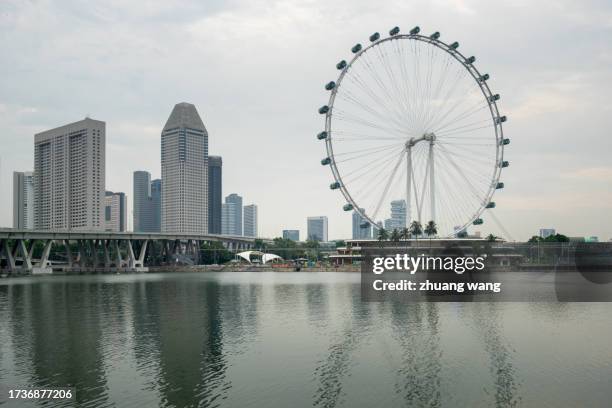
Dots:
(546, 92)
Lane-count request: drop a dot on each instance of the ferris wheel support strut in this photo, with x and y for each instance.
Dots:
(432, 189)
(408, 181)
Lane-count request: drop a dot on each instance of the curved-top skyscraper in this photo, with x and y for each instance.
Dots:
(184, 162)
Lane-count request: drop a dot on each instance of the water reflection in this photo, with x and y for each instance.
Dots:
(415, 328)
(277, 340)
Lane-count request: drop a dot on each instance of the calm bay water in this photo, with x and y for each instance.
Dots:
(293, 339)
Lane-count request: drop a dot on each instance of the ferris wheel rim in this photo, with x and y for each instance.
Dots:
(484, 88)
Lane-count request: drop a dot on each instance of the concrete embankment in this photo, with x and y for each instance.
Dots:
(252, 268)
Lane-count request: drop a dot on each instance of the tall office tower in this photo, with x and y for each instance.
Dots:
(69, 177)
(215, 194)
(293, 235)
(317, 228)
(231, 223)
(115, 212)
(23, 200)
(250, 220)
(184, 163)
(141, 201)
(398, 214)
(361, 227)
(156, 203)
(389, 225)
(147, 203)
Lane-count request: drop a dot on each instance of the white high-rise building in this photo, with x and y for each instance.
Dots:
(250, 220)
(69, 177)
(184, 162)
(23, 200)
(398, 214)
(231, 215)
(317, 228)
(361, 227)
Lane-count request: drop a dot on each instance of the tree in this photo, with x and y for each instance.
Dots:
(431, 229)
(416, 229)
(556, 238)
(312, 248)
(395, 235)
(214, 253)
(383, 235)
(491, 238)
(340, 243)
(259, 245)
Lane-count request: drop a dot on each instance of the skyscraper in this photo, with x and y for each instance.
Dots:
(184, 162)
(250, 220)
(231, 223)
(115, 212)
(215, 194)
(361, 227)
(141, 193)
(147, 203)
(376, 229)
(69, 177)
(317, 228)
(293, 235)
(23, 200)
(398, 214)
(156, 203)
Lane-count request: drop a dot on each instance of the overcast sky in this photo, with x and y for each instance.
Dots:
(256, 69)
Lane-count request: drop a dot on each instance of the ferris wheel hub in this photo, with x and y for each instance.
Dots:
(429, 137)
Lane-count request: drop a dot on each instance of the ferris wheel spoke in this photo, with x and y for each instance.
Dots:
(386, 189)
(372, 72)
(460, 143)
(459, 170)
(470, 161)
(350, 98)
(473, 125)
(474, 109)
(399, 96)
(427, 95)
(362, 122)
(467, 131)
(440, 112)
(381, 174)
(365, 168)
(358, 156)
(466, 92)
(457, 201)
(368, 149)
(405, 83)
(356, 78)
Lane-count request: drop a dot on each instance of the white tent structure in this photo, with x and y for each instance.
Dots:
(257, 257)
(270, 257)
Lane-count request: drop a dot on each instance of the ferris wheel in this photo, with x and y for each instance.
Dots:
(411, 121)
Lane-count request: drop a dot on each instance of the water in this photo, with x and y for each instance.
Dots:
(293, 339)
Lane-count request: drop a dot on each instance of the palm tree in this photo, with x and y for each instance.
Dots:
(491, 238)
(431, 229)
(416, 229)
(395, 235)
(383, 235)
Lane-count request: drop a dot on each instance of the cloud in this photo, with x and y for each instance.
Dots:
(596, 174)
